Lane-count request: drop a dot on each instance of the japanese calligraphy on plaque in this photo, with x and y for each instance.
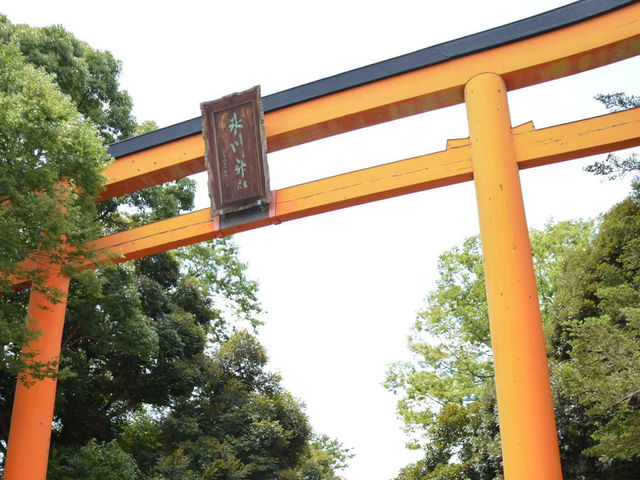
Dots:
(235, 152)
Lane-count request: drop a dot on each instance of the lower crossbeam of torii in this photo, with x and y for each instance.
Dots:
(478, 70)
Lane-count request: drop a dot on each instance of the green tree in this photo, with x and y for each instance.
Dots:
(106, 461)
(589, 293)
(88, 76)
(51, 163)
(601, 334)
(322, 460)
(168, 382)
(599, 308)
(60, 103)
(447, 392)
(59, 98)
(242, 424)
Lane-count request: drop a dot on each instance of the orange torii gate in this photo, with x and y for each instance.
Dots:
(478, 70)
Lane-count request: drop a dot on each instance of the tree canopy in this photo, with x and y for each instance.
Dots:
(598, 311)
(448, 393)
(51, 162)
(589, 296)
(163, 375)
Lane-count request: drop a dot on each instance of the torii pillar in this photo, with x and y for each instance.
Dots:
(525, 407)
(30, 433)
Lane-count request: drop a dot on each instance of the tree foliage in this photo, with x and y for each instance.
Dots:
(51, 163)
(104, 460)
(323, 458)
(447, 392)
(61, 103)
(589, 292)
(599, 307)
(89, 77)
(165, 378)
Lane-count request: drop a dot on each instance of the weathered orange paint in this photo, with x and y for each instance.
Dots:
(375, 183)
(30, 433)
(161, 236)
(157, 165)
(579, 139)
(533, 148)
(525, 406)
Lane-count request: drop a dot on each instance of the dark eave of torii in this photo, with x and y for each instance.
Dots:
(513, 32)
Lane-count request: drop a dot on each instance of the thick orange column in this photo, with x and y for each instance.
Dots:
(30, 433)
(525, 407)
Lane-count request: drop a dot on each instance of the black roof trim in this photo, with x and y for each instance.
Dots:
(512, 32)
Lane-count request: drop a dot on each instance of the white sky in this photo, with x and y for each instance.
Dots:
(341, 289)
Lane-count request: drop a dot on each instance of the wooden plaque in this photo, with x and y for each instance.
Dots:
(236, 152)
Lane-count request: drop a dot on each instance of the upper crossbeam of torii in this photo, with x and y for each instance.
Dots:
(479, 70)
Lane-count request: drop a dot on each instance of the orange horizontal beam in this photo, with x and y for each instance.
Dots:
(453, 165)
(398, 178)
(602, 40)
(375, 183)
(154, 166)
(533, 148)
(160, 236)
(593, 136)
